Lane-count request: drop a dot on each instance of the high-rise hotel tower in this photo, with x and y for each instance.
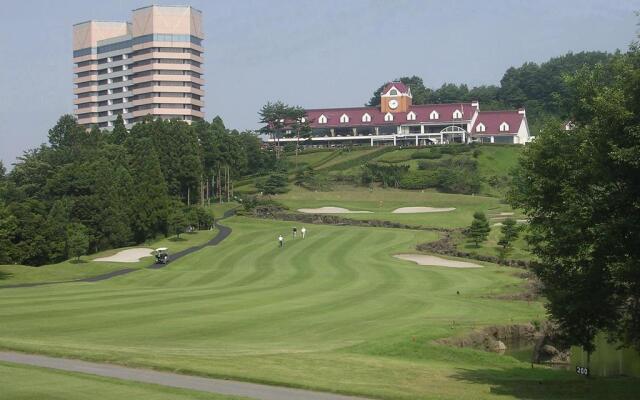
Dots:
(151, 65)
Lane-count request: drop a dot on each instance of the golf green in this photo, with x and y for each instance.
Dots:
(334, 311)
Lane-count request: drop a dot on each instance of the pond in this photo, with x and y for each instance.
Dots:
(607, 360)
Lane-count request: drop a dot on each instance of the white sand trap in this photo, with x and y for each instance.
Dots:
(423, 259)
(331, 210)
(127, 256)
(414, 210)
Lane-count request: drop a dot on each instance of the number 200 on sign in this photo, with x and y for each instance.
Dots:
(582, 371)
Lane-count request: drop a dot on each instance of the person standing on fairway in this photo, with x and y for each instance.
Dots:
(281, 240)
(303, 231)
(295, 231)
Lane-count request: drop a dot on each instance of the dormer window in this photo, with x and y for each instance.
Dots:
(411, 116)
(344, 119)
(366, 117)
(480, 127)
(457, 114)
(504, 127)
(322, 119)
(388, 117)
(393, 92)
(434, 115)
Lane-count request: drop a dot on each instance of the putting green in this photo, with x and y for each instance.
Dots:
(334, 311)
(382, 202)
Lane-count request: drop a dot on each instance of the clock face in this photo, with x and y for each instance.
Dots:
(393, 104)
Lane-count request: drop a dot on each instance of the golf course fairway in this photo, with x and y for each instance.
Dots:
(334, 312)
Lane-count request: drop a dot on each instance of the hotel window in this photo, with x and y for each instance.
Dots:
(366, 117)
(434, 115)
(411, 116)
(322, 119)
(388, 117)
(480, 127)
(344, 119)
(457, 114)
(504, 127)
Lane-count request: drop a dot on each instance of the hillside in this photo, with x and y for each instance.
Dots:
(488, 164)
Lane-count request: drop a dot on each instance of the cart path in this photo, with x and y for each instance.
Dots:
(223, 233)
(211, 385)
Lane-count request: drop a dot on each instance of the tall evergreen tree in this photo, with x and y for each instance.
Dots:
(149, 200)
(119, 133)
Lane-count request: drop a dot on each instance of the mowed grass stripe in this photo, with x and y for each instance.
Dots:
(332, 311)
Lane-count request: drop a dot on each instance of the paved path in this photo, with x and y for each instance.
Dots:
(223, 233)
(220, 386)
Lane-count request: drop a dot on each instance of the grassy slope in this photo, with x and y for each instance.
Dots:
(69, 270)
(383, 201)
(25, 382)
(334, 312)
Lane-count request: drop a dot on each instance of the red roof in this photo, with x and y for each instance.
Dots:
(422, 113)
(402, 88)
(493, 119)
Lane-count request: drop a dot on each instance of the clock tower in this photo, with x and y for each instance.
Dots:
(395, 97)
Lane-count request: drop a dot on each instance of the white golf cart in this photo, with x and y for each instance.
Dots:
(162, 255)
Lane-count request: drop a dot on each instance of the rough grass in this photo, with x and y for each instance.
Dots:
(334, 312)
(26, 382)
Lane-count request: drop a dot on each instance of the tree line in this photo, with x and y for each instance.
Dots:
(540, 88)
(118, 188)
(580, 191)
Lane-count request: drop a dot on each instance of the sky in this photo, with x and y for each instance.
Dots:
(322, 53)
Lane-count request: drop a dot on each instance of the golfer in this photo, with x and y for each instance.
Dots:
(281, 240)
(295, 231)
(303, 231)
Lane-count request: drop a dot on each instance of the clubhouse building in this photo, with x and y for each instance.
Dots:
(397, 121)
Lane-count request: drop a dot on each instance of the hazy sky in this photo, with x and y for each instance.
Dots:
(308, 53)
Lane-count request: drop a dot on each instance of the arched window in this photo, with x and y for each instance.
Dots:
(388, 117)
(344, 119)
(457, 114)
(411, 116)
(504, 127)
(366, 117)
(480, 127)
(434, 115)
(393, 92)
(322, 119)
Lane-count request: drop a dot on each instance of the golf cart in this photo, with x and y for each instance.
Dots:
(162, 255)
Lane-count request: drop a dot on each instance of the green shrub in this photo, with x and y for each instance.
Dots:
(273, 184)
(419, 180)
(429, 154)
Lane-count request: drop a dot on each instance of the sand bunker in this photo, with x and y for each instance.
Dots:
(423, 259)
(413, 210)
(127, 256)
(331, 210)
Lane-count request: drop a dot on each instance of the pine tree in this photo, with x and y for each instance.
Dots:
(177, 221)
(149, 200)
(479, 229)
(510, 232)
(119, 133)
(77, 240)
